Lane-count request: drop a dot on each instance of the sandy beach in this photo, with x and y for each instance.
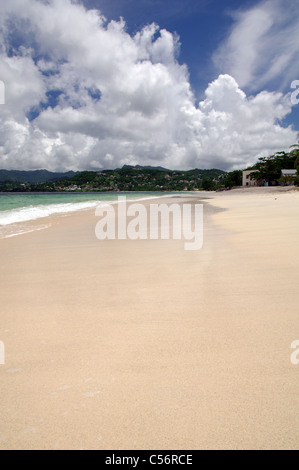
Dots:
(140, 344)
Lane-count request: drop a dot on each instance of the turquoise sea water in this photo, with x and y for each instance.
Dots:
(17, 209)
(10, 201)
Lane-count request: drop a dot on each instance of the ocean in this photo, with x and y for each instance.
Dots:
(17, 209)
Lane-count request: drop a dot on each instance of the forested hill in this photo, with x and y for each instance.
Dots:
(127, 178)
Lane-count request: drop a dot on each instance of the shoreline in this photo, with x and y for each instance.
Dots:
(125, 344)
(41, 221)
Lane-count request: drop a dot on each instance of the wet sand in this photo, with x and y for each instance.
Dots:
(123, 344)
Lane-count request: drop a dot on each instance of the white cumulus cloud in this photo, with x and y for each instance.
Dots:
(82, 93)
(262, 47)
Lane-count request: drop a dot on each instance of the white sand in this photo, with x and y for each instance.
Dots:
(142, 345)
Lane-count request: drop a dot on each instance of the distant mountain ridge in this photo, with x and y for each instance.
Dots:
(40, 177)
(45, 176)
(140, 167)
(34, 176)
(128, 178)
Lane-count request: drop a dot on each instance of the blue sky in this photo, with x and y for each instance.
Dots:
(92, 84)
(202, 26)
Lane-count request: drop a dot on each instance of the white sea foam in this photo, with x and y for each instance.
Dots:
(25, 214)
(22, 231)
(14, 222)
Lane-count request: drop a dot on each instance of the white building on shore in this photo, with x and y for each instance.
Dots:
(247, 180)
